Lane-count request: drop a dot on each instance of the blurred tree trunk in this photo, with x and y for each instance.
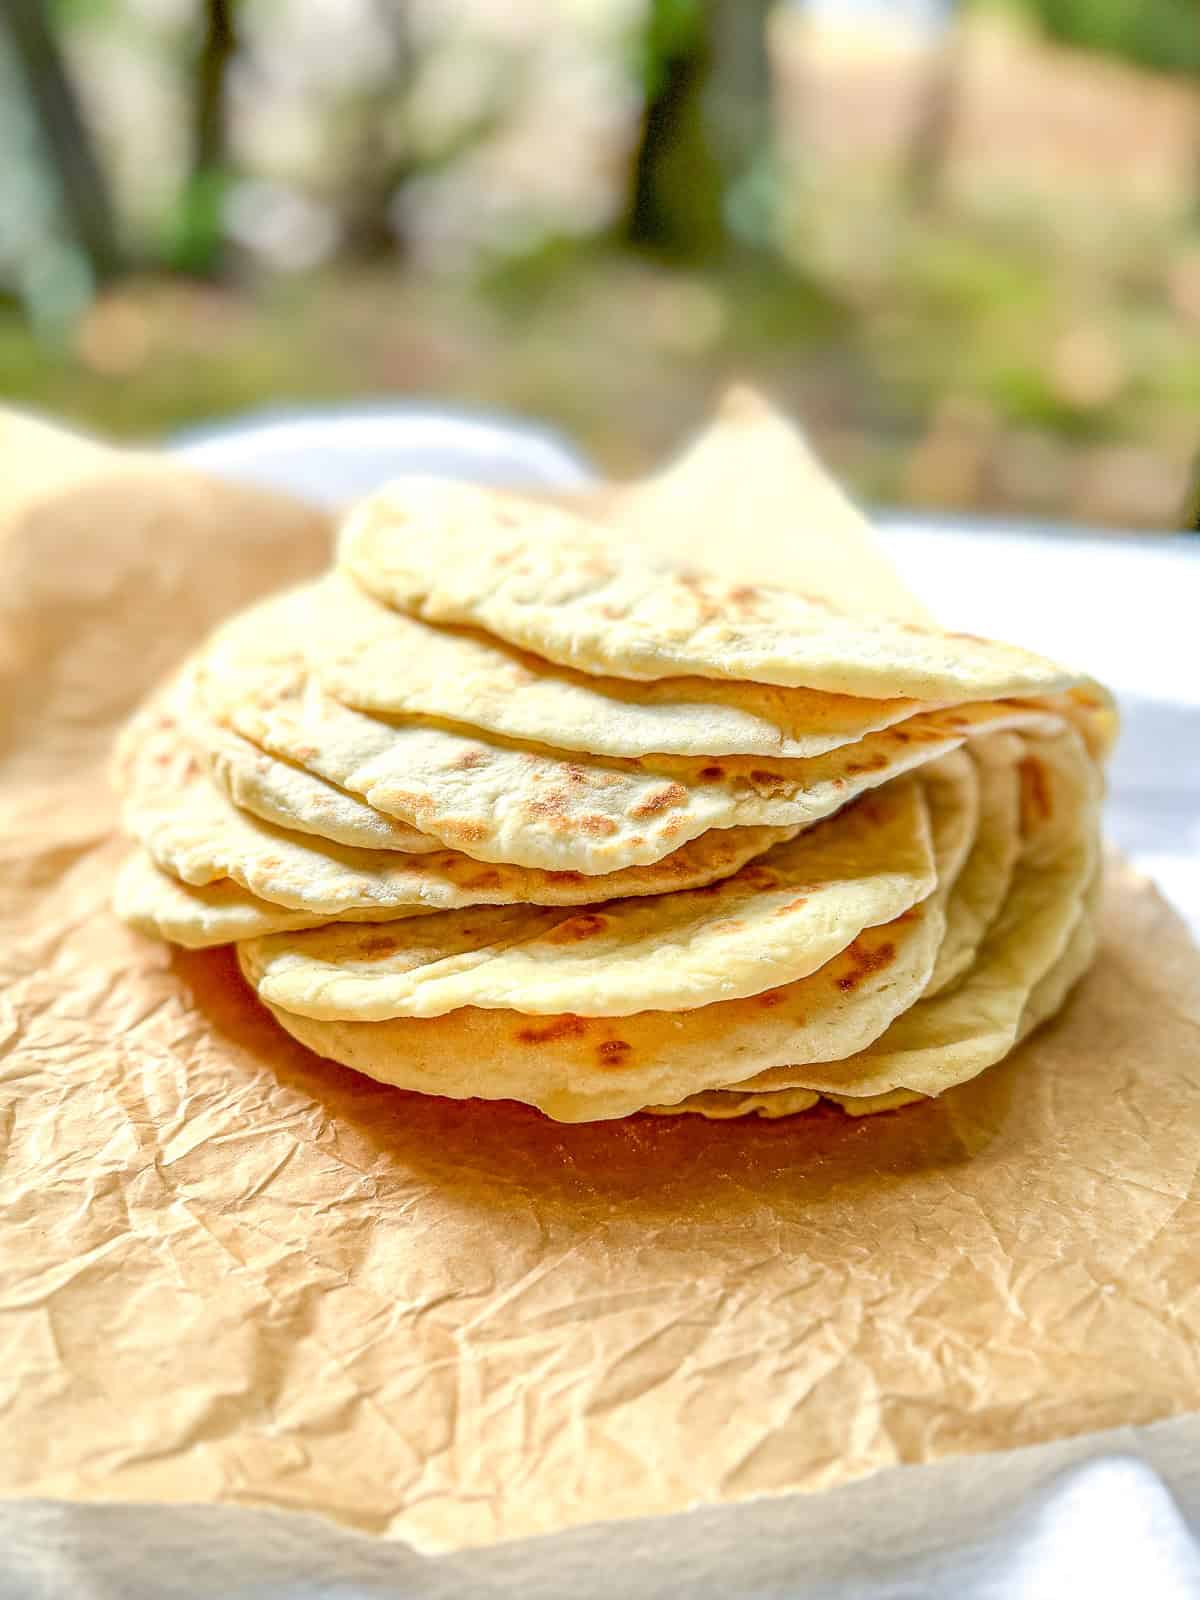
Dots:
(378, 162)
(933, 131)
(705, 135)
(675, 207)
(209, 127)
(197, 241)
(85, 197)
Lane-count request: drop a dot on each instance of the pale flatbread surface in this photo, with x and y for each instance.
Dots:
(377, 659)
(194, 832)
(200, 915)
(778, 919)
(581, 1069)
(1046, 999)
(286, 794)
(534, 806)
(578, 1068)
(981, 887)
(749, 499)
(951, 1036)
(551, 582)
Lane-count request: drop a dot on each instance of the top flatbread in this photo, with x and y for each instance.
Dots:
(554, 583)
(377, 659)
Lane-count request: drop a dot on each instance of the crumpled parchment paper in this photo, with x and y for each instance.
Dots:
(232, 1272)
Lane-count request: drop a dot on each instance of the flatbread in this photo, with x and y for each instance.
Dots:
(580, 1069)
(1045, 1001)
(198, 916)
(377, 659)
(952, 1036)
(778, 919)
(530, 805)
(747, 498)
(552, 582)
(583, 1069)
(195, 833)
(981, 888)
(286, 794)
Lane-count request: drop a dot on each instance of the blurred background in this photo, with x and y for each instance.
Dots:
(961, 240)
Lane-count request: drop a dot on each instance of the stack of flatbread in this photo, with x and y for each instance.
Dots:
(517, 802)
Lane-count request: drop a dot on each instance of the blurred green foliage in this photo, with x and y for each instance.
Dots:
(1161, 34)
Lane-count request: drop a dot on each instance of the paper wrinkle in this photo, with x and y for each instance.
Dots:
(231, 1272)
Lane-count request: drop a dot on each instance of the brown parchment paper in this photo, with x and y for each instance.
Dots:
(232, 1272)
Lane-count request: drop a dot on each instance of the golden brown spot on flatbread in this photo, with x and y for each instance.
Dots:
(378, 946)
(770, 997)
(401, 797)
(744, 599)
(469, 759)
(761, 779)
(612, 1052)
(581, 927)
(865, 962)
(673, 794)
(1035, 789)
(899, 733)
(463, 828)
(597, 826)
(792, 905)
(568, 1026)
(711, 774)
(550, 804)
(705, 609)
